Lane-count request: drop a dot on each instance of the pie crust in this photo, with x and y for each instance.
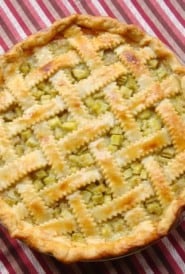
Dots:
(92, 139)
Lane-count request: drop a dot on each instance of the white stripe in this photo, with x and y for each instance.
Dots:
(1, 50)
(174, 253)
(81, 8)
(13, 20)
(178, 8)
(69, 7)
(54, 12)
(5, 37)
(166, 34)
(99, 8)
(139, 17)
(116, 13)
(24, 16)
(32, 258)
(10, 258)
(40, 12)
(157, 261)
(168, 12)
(3, 269)
(51, 264)
(144, 264)
(179, 239)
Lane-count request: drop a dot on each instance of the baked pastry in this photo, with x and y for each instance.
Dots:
(92, 139)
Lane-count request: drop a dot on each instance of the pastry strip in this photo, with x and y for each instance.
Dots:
(59, 226)
(129, 57)
(174, 123)
(35, 114)
(33, 202)
(66, 60)
(107, 41)
(6, 99)
(72, 98)
(143, 147)
(119, 108)
(86, 133)
(123, 203)
(109, 167)
(84, 47)
(159, 181)
(84, 218)
(70, 184)
(21, 166)
(100, 78)
(6, 149)
(175, 167)
(157, 92)
(49, 146)
(20, 90)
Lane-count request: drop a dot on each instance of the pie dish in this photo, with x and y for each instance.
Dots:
(92, 139)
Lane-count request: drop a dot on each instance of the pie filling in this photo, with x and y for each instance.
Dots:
(104, 151)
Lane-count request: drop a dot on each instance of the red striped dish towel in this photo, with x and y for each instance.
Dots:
(161, 18)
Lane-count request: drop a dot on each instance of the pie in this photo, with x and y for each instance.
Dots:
(92, 139)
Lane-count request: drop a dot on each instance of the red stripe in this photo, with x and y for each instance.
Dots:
(173, 9)
(169, 257)
(3, 44)
(13, 249)
(107, 8)
(50, 262)
(46, 10)
(9, 29)
(75, 6)
(5, 262)
(168, 21)
(124, 15)
(130, 15)
(5, 249)
(181, 3)
(58, 8)
(87, 8)
(135, 260)
(39, 258)
(121, 266)
(161, 255)
(34, 14)
(162, 22)
(9, 25)
(176, 246)
(25, 9)
(93, 8)
(63, 8)
(157, 259)
(150, 22)
(20, 253)
(18, 17)
(150, 261)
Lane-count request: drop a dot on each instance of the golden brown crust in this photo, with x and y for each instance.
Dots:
(46, 234)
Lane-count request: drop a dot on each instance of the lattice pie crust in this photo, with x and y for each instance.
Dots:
(92, 139)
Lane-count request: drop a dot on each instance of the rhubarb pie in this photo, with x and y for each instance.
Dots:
(92, 139)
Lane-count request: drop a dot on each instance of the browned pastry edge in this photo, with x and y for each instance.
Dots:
(146, 233)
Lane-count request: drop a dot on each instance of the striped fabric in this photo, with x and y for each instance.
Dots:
(162, 18)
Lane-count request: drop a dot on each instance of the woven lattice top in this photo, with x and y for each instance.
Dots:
(92, 138)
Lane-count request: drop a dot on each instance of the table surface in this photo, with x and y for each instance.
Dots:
(162, 18)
